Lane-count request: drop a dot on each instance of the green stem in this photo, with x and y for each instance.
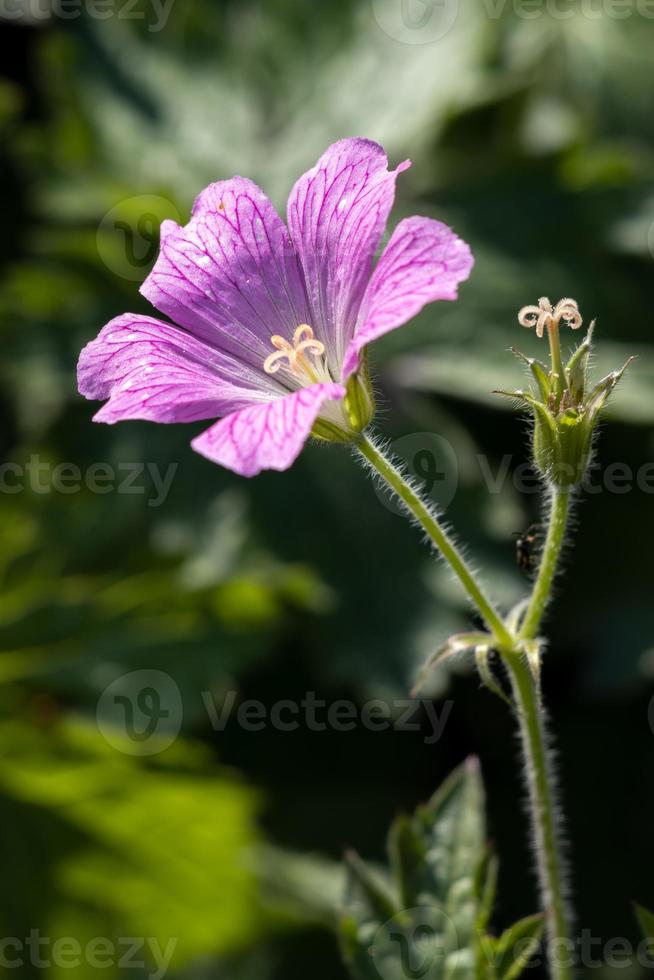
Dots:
(543, 814)
(542, 589)
(532, 731)
(526, 694)
(393, 477)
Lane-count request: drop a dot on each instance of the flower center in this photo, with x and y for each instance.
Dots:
(304, 355)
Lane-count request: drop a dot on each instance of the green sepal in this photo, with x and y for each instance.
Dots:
(539, 372)
(358, 408)
(574, 444)
(603, 389)
(330, 432)
(577, 368)
(524, 396)
(458, 643)
(359, 399)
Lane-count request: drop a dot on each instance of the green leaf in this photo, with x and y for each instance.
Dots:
(425, 919)
(646, 920)
(512, 951)
(376, 895)
(302, 888)
(453, 829)
(485, 887)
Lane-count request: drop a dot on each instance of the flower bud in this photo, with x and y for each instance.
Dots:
(565, 409)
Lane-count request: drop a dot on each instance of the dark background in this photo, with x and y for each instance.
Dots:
(531, 134)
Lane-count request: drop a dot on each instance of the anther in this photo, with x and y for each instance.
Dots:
(303, 343)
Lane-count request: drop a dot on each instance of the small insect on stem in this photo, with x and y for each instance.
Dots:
(528, 546)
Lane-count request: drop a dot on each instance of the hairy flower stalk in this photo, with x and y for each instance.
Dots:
(540, 776)
(392, 476)
(514, 649)
(542, 589)
(543, 810)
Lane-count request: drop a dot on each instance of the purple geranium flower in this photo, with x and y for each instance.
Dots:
(271, 322)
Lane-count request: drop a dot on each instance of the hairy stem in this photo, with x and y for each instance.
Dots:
(542, 808)
(393, 477)
(540, 778)
(541, 592)
(525, 689)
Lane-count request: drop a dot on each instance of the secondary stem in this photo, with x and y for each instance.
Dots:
(532, 731)
(542, 589)
(543, 814)
(393, 477)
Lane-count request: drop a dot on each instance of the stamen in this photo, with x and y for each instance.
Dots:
(303, 343)
(545, 316)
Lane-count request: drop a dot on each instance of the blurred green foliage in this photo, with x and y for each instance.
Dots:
(532, 136)
(430, 914)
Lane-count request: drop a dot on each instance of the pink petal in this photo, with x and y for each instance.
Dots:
(423, 261)
(266, 437)
(231, 275)
(337, 213)
(154, 370)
